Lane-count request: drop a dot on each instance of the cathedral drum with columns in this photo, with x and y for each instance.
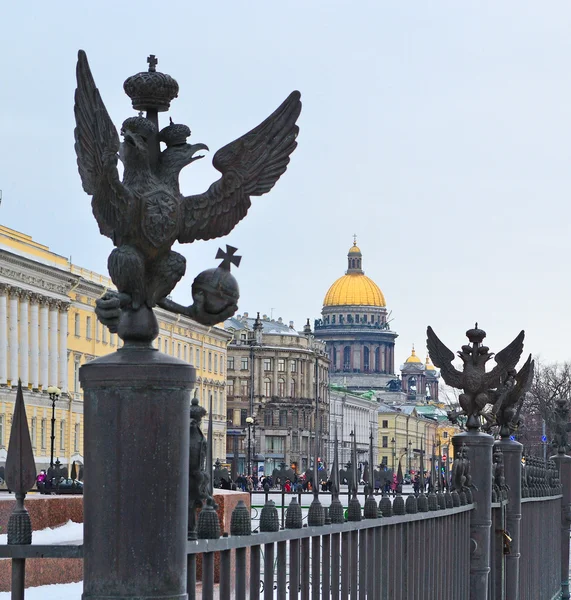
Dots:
(355, 327)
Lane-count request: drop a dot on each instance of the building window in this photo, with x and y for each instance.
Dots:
(178, 350)
(216, 363)
(243, 417)
(347, 358)
(173, 348)
(294, 418)
(295, 442)
(77, 325)
(281, 365)
(283, 418)
(281, 388)
(34, 431)
(385, 460)
(244, 364)
(76, 437)
(230, 387)
(267, 364)
(104, 335)
(385, 424)
(268, 418)
(230, 416)
(293, 366)
(210, 362)
(366, 356)
(184, 351)
(88, 328)
(292, 388)
(302, 366)
(230, 363)
(62, 435)
(43, 426)
(97, 331)
(385, 441)
(244, 388)
(274, 444)
(197, 355)
(444, 434)
(267, 388)
(76, 365)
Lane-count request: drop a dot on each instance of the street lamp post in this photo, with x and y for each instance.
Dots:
(409, 455)
(249, 422)
(54, 394)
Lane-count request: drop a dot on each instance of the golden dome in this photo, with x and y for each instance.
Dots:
(354, 249)
(413, 358)
(428, 365)
(354, 289)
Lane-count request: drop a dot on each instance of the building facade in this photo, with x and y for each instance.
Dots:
(352, 413)
(48, 329)
(279, 378)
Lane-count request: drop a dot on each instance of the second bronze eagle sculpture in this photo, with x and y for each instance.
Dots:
(145, 213)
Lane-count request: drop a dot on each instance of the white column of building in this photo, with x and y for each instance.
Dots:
(13, 334)
(53, 353)
(44, 344)
(63, 348)
(34, 341)
(24, 356)
(3, 334)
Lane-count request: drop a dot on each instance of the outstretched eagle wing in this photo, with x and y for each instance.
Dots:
(96, 147)
(524, 380)
(442, 358)
(506, 360)
(250, 166)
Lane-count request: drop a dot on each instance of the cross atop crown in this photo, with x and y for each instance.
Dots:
(153, 62)
(229, 257)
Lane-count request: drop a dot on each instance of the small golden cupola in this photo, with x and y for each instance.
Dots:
(413, 358)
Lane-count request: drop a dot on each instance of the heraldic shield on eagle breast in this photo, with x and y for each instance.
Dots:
(145, 213)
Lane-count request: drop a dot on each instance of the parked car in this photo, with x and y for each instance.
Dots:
(66, 486)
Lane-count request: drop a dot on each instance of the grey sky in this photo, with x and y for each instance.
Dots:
(438, 132)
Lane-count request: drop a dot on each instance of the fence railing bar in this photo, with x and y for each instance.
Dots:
(345, 565)
(305, 569)
(353, 565)
(316, 568)
(363, 553)
(241, 574)
(254, 572)
(370, 533)
(335, 566)
(191, 576)
(225, 576)
(208, 576)
(269, 571)
(294, 569)
(282, 571)
(326, 566)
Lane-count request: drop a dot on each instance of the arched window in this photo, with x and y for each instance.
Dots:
(366, 354)
(347, 358)
(267, 387)
(292, 388)
(281, 388)
(332, 319)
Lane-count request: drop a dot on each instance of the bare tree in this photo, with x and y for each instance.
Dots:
(551, 381)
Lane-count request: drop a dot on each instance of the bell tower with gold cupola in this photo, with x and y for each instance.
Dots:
(356, 329)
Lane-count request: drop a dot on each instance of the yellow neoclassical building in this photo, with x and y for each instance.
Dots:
(48, 329)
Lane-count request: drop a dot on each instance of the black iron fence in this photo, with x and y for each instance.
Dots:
(390, 558)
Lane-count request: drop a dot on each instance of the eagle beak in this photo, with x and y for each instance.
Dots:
(194, 148)
(129, 139)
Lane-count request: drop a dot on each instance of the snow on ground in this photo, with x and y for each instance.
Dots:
(63, 591)
(64, 534)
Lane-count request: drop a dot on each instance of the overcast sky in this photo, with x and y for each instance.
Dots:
(438, 132)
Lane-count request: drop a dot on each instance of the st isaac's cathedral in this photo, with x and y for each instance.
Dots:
(355, 325)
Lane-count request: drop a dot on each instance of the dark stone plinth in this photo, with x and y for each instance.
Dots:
(354, 510)
(136, 405)
(512, 453)
(316, 514)
(240, 522)
(269, 518)
(399, 506)
(294, 517)
(477, 470)
(336, 512)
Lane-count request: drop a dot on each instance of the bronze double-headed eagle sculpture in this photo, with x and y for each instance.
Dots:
(494, 397)
(144, 212)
